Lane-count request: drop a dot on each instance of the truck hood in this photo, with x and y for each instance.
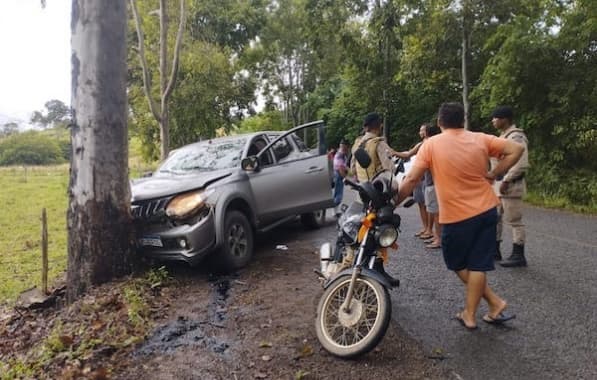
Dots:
(165, 185)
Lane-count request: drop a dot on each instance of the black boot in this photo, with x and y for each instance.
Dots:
(517, 258)
(378, 266)
(498, 252)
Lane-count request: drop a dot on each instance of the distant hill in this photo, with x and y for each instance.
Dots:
(24, 125)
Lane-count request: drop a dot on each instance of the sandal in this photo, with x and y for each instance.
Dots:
(425, 236)
(433, 246)
(459, 318)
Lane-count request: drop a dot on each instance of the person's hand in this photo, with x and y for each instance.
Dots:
(490, 176)
(504, 187)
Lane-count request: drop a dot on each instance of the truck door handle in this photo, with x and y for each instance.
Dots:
(313, 169)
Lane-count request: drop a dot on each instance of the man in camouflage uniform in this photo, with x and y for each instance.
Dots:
(380, 152)
(510, 188)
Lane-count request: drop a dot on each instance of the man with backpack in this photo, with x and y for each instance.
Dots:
(379, 152)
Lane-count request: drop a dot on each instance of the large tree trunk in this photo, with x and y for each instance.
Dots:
(100, 234)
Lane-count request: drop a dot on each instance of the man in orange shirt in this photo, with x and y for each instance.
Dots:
(458, 160)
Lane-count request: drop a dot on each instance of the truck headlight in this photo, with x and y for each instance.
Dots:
(386, 235)
(185, 205)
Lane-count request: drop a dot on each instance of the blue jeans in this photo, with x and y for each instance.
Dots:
(338, 188)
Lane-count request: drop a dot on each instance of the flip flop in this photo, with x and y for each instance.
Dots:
(428, 241)
(425, 237)
(458, 317)
(433, 246)
(419, 233)
(501, 318)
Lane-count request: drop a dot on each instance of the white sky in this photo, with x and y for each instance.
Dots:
(34, 55)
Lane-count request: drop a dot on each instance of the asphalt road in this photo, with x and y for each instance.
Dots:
(555, 299)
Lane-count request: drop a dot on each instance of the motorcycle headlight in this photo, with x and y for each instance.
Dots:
(386, 235)
(185, 205)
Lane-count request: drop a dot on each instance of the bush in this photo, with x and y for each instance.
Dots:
(30, 148)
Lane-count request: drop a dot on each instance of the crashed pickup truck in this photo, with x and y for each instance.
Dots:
(211, 197)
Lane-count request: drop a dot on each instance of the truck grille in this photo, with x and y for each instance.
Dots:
(147, 209)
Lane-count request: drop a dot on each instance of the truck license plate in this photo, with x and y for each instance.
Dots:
(151, 241)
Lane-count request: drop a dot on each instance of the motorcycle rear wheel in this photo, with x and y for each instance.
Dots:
(350, 334)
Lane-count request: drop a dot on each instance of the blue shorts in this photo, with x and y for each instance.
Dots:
(470, 244)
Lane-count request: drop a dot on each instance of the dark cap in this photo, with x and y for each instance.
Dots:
(503, 112)
(344, 141)
(372, 119)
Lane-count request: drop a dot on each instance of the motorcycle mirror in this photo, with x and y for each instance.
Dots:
(362, 157)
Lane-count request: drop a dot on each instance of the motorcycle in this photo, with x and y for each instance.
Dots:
(354, 311)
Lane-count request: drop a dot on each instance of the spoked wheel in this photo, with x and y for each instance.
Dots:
(356, 331)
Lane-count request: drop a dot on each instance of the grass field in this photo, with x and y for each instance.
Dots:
(24, 192)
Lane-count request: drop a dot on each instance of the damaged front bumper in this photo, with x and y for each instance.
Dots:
(188, 243)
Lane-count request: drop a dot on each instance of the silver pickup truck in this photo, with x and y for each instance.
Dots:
(211, 197)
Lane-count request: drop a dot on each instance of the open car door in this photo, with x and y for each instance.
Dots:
(297, 184)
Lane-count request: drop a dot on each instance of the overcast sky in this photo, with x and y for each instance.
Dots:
(34, 55)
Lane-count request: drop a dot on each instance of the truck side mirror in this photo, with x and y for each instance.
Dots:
(250, 164)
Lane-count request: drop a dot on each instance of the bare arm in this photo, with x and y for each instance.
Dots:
(510, 156)
(408, 153)
(409, 182)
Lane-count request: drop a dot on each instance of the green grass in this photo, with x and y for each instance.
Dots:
(559, 203)
(24, 193)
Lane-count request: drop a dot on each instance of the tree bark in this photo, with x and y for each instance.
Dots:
(100, 233)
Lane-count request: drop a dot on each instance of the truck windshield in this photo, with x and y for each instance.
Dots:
(204, 157)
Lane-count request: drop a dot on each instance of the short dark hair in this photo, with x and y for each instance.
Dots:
(432, 130)
(503, 112)
(451, 115)
(372, 120)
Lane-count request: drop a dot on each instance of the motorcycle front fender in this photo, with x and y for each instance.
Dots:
(365, 272)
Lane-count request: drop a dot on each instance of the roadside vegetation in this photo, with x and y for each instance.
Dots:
(112, 318)
(26, 190)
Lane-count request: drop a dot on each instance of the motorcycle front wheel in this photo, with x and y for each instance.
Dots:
(353, 332)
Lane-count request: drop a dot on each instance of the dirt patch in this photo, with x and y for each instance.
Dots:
(259, 324)
(255, 324)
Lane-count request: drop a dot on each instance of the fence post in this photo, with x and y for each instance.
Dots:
(44, 252)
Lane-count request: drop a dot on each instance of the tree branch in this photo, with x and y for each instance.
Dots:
(144, 67)
(175, 60)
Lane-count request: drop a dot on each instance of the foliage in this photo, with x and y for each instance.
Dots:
(31, 148)
(340, 59)
(56, 114)
(9, 129)
(212, 91)
(265, 121)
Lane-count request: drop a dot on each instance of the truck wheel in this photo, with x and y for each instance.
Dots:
(237, 243)
(314, 220)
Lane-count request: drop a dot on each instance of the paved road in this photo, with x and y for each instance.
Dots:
(555, 299)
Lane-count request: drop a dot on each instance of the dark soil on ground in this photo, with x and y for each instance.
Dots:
(255, 324)
(259, 324)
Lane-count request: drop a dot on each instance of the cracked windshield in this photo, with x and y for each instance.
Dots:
(206, 157)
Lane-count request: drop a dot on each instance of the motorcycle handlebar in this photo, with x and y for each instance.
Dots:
(352, 184)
